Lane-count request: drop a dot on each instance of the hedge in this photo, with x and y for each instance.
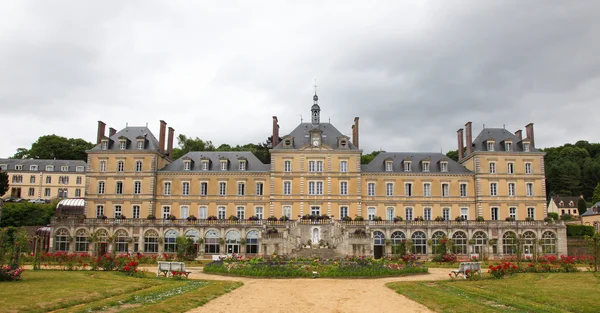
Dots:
(579, 230)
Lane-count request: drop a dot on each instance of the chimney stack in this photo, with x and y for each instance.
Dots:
(275, 139)
(161, 136)
(529, 132)
(460, 144)
(355, 132)
(101, 129)
(469, 135)
(170, 142)
(519, 134)
(111, 132)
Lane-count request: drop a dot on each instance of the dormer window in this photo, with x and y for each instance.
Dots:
(389, 165)
(140, 144)
(490, 146)
(561, 203)
(571, 203)
(444, 166)
(343, 143)
(187, 165)
(104, 144)
(508, 146)
(407, 166)
(525, 147)
(425, 166)
(79, 169)
(64, 168)
(33, 167)
(3, 167)
(18, 167)
(122, 144)
(223, 165)
(50, 168)
(242, 165)
(205, 165)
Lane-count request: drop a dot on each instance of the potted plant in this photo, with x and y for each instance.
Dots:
(233, 218)
(377, 219)
(419, 219)
(548, 219)
(101, 217)
(151, 217)
(272, 219)
(529, 219)
(192, 218)
(398, 219)
(172, 217)
(271, 231)
(510, 219)
(359, 218)
(211, 218)
(121, 217)
(253, 218)
(346, 219)
(480, 219)
(284, 218)
(460, 218)
(439, 219)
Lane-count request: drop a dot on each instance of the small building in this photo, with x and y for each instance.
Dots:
(564, 205)
(592, 217)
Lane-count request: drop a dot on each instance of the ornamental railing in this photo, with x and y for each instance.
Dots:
(164, 222)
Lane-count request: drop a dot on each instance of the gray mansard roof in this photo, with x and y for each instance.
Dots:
(329, 136)
(397, 158)
(499, 135)
(41, 164)
(131, 133)
(253, 164)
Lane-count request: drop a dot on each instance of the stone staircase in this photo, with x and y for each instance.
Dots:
(323, 253)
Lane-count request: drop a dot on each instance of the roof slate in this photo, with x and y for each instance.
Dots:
(58, 164)
(499, 135)
(566, 201)
(253, 163)
(131, 133)
(378, 163)
(329, 136)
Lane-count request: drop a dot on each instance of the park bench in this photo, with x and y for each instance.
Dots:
(166, 268)
(474, 267)
(315, 274)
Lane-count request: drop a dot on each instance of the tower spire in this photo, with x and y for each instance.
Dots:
(315, 109)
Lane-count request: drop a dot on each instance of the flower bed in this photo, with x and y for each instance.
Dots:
(550, 264)
(337, 267)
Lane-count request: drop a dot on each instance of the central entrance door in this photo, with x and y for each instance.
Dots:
(232, 241)
(378, 244)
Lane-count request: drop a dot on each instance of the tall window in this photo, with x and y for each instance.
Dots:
(81, 241)
(138, 166)
(211, 245)
(510, 168)
(101, 186)
(287, 211)
(32, 179)
(315, 166)
(135, 210)
(259, 188)
(492, 167)
(508, 146)
(202, 212)
(118, 211)
(259, 212)
(512, 213)
(389, 212)
(490, 146)
(427, 190)
(140, 145)
(319, 166)
(48, 179)
(446, 214)
(61, 240)
(525, 147)
(184, 211)
(137, 187)
(222, 188)
(529, 189)
(120, 166)
(315, 188)
(508, 243)
(464, 213)
(494, 214)
(493, 189)
(221, 212)
(425, 166)
(223, 165)
(241, 213)
(344, 188)
(166, 211)
(121, 243)
(31, 192)
(151, 241)
(511, 189)
(99, 210)
(408, 190)
(319, 187)
(203, 188)
(389, 189)
(427, 214)
(287, 187)
(122, 145)
(287, 166)
(78, 180)
(549, 242)
(315, 210)
(242, 165)
(343, 166)
(460, 242)
(407, 166)
(252, 242)
(119, 188)
(102, 166)
(77, 192)
(531, 212)
(167, 188)
(343, 212)
(371, 189)
(419, 243)
(47, 192)
(527, 168)
(205, 165)
(371, 213)
(388, 166)
(408, 214)
(444, 166)
(241, 190)
(463, 190)
(185, 188)
(445, 190)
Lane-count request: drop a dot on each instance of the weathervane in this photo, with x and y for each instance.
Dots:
(300, 118)
(315, 85)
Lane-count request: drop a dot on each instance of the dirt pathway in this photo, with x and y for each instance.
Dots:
(315, 295)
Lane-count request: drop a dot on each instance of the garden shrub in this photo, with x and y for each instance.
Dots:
(13, 243)
(580, 230)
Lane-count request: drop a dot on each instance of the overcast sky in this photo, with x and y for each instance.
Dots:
(413, 71)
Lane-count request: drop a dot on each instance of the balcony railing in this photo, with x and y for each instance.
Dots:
(162, 222)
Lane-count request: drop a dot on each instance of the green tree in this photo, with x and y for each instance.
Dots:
(3, 183)
(26, 214)
(191, 144)
(596, 196)
(452, 154)
(581, 206)
(56, 147)
(367, 158)
(590, 176)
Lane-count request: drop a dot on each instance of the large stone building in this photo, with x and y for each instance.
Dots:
(138, 199)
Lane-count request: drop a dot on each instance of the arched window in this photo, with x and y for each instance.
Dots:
(151, 241)
(121, 241)
(379, 238)
(193, 234)
(548, 242)
(102, 235)
(211, 242)
(252, 242)
(81, 241)
(480, 242)
(528, 242)
(170, 245)
(232, 242)
(436, 241)
(398, 243)
(419, 243)
(509, 241)
(460, 242)
(61, 240)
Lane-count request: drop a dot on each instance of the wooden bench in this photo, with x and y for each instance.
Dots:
(474, 267)
(166, 268)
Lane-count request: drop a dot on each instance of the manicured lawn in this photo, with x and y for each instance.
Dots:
(547, 292)
(78, 291)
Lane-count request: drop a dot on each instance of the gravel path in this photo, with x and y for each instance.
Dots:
(315, 295)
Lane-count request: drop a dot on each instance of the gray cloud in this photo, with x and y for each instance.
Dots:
(414, 72)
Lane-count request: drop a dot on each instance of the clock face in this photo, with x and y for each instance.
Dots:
(315, 142)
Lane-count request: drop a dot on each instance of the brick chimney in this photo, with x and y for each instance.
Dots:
(170, 142)
(529, 133)
(460, 144)
(469, 135)
(355, 132)
(111, 132)
(101, 129)
(275, 139)
(519, 134)
(161, 136)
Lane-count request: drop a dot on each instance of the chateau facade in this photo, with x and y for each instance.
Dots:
(139, 199)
